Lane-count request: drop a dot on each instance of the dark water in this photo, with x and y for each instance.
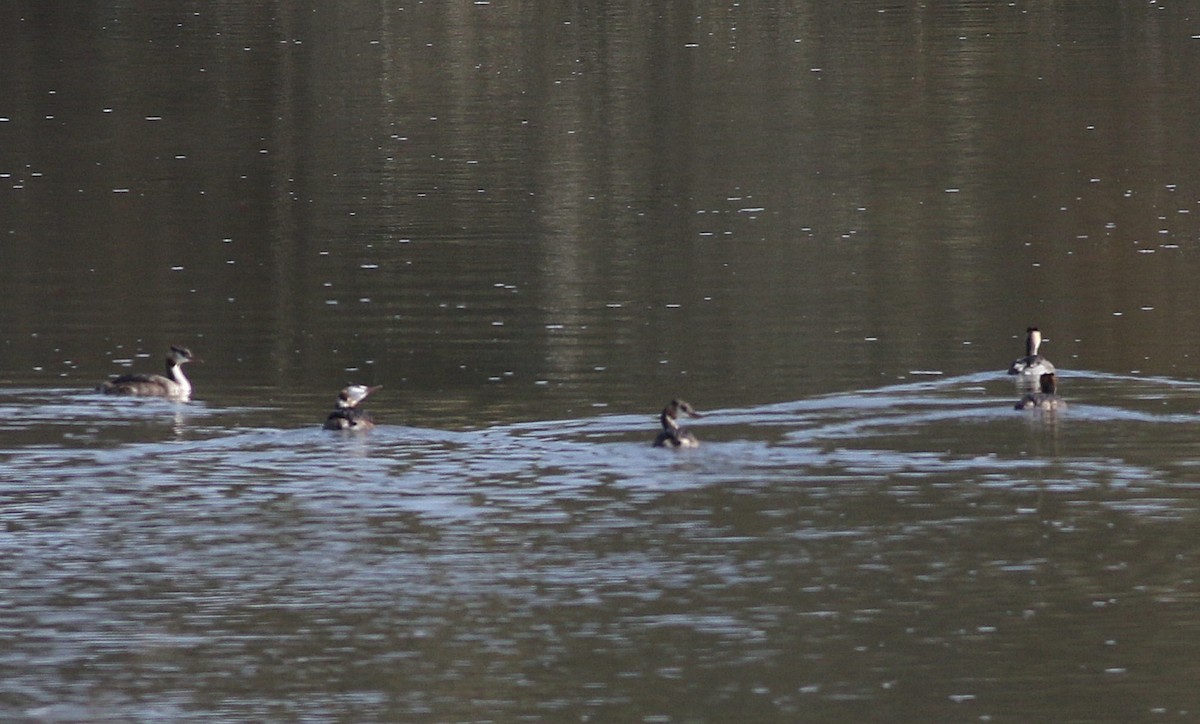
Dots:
(825, 224)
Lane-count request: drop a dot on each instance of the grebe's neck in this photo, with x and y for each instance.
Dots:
(1033, 342)
(175, 374)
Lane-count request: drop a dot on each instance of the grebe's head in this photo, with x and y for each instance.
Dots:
(675, 407)
(181, 355)
(351, 395)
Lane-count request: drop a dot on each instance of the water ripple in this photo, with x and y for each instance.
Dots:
(142, 535)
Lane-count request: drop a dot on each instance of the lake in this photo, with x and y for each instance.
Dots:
(826, 225)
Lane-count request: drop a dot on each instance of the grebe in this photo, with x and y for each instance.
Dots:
(1033, 364)
(672, 434)
(175, 385)
(1046, 399)
(347, 416)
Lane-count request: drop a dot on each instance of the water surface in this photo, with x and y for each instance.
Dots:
(825, 224)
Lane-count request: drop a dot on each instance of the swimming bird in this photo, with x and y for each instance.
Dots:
(1033, 364)
(346, 415)
(174, 385)
(1047, 399)
(672, 434)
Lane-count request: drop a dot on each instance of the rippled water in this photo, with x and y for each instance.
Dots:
(825, 224)
(887, 552)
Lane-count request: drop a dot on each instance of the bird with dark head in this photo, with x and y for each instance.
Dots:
(672, 434)
(1033, 364)
(173, 385)
(346, 414)
(1047, 399)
